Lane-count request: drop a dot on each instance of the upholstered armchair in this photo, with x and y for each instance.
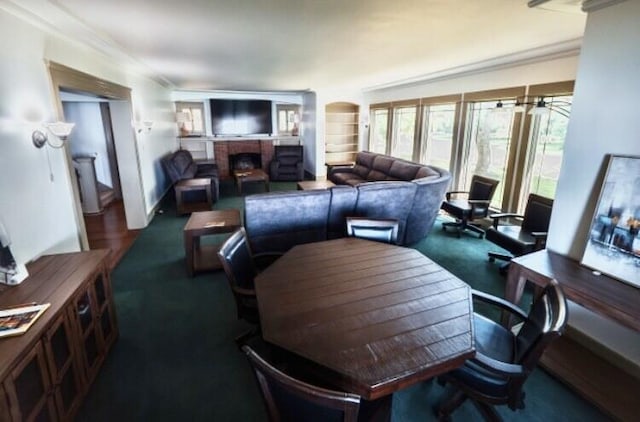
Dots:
(287, 163)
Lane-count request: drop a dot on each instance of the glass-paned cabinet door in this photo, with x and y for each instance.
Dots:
(63, 365)
(85, 310)
(29, 388)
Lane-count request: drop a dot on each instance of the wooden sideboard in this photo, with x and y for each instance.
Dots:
(46, 372)
(603, 382)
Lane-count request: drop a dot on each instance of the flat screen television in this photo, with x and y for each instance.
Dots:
(240, 117)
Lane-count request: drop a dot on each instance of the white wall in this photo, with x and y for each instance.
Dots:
(36, 203)
(604, 120)
(88, 136)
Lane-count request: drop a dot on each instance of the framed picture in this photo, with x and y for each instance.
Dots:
(613, 247)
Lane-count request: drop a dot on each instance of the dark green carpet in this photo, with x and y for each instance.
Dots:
(176, 359)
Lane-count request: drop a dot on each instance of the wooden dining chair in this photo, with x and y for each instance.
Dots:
(378, 229)
(289, 399)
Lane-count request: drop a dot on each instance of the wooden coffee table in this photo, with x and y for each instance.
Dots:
(205, 257)
(253, 175)
(315, 184)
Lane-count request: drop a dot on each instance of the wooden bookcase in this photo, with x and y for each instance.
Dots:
(46, 372)
(341, 132)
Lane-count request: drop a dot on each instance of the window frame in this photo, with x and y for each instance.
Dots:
(192, 105)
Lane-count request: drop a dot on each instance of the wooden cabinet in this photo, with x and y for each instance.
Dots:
(46, 372)
(341, 132)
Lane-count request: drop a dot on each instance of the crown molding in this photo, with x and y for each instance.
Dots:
(593, 5)
(568, 48)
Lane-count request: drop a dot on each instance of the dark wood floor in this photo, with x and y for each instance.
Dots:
(108, 230)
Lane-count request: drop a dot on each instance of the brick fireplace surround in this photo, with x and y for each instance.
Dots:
(223, 149)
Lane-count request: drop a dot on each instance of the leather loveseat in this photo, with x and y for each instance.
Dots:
(277, 221)
(180, 166)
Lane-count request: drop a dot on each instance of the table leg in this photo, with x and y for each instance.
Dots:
(188, 250)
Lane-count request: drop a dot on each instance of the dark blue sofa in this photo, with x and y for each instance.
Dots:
(277, 221)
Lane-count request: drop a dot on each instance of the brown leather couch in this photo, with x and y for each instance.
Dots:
(180, 166)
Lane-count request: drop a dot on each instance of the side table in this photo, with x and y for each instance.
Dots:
(253, 175)
(205, 257)
(189, 185)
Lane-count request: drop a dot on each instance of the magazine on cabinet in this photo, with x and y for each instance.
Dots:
(17, 320)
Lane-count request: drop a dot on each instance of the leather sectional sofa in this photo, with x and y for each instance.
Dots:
(277, 221)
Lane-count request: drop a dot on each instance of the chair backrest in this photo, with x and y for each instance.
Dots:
(546, 321)
(381, 230)
(289, 399)
(235, 257)
(482, 188)
(237, 262)
(291, 153)
(537, 214)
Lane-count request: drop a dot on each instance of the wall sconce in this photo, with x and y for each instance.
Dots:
(60, 130)
(146, 126)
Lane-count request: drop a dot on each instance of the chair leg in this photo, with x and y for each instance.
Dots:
(487, 411)
(449, 404)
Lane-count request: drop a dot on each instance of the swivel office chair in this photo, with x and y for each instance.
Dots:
(474, 206)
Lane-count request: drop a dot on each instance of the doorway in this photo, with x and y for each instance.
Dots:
(112, 115)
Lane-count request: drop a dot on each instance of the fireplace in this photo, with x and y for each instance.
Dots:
(245, 161)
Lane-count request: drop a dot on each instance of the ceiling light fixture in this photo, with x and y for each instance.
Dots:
(540, 107)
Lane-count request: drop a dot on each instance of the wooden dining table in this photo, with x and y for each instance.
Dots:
(375, 317)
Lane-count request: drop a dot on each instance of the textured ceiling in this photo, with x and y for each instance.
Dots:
(307, 44)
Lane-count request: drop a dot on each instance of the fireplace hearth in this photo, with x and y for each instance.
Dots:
(245, 161)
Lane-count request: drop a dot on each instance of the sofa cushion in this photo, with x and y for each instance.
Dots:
(403, 171)
(375, 176)
(346, 178)
(288, 160)
(361, 171)
(425, 171)
(383, 163)
(277, 221)
(190, 171)
(365, 158)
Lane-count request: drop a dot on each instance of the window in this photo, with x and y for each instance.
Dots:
(191, 119)
(438, 122)
(379, 127)
(546, 146)
(486, 145)
(288, 119)
(404, 129)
